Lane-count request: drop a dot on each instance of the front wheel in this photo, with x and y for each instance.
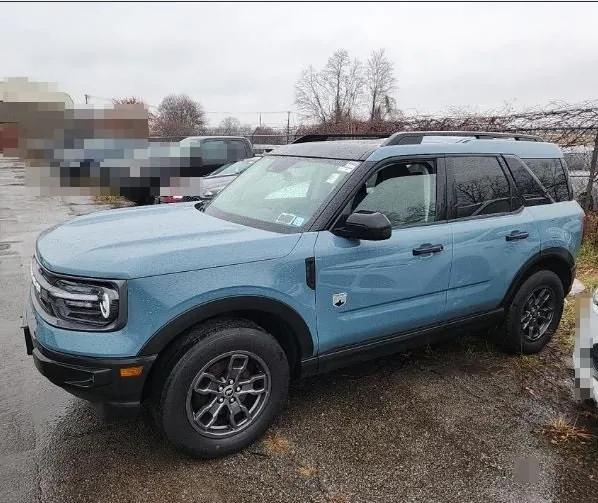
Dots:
(534, 314)
(224, 390)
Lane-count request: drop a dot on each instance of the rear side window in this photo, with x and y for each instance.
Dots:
(236, 150)
(478, 186)
(214, 151)
(552, 176)
(528, 185)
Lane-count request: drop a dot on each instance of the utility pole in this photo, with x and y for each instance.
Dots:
(288, 126)
(86, 98)
(260, 119)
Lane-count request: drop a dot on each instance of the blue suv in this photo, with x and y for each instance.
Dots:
(323, 253)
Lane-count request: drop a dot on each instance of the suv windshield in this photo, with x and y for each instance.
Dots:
(235, 168)
(280, 193)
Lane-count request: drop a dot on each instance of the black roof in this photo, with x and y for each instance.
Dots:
(351, 150)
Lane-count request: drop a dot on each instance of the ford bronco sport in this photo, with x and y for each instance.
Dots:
(323, 253)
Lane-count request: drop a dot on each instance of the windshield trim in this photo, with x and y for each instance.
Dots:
(252, 222)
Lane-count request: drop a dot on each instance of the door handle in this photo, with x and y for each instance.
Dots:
(427, 248)
(516, 235)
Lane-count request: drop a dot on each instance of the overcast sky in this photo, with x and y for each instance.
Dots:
(247, 58)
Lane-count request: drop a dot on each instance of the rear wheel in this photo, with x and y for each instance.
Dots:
(227, 381)
(535, 313)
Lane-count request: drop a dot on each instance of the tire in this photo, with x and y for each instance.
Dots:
(194, 376)
(519, 336)
(139, 196)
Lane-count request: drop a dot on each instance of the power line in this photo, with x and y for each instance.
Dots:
(258, 112)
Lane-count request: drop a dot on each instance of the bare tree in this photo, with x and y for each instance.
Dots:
(245, 129)
(266, 135)
(230, 126)
(333, 93)
(179, 115)
(344, 79)
(311, 96)
(380, 83)
(128, 100)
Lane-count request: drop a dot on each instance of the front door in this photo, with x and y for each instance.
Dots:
(372, 289)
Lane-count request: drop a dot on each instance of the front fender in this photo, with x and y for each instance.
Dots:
(162, 307)
(226, 305)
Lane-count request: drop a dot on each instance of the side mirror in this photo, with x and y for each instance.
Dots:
(367, 225)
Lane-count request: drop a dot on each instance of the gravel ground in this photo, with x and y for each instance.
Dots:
(458, 422)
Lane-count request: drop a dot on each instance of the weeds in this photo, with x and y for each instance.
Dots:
(111, 200)
(587, 273)
(590, 235)
(562, 430)
(588, 255)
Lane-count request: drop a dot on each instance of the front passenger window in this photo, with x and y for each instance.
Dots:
(404, 192)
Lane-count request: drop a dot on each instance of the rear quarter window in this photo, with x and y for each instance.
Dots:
(527, 183)
(552, 176)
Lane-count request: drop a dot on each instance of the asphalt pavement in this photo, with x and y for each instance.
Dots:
(453, 423)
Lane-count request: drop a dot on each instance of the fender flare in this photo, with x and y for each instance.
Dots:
(167, 333)
(560, 254)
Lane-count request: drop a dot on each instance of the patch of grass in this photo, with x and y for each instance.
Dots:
(565, 335)
(587, 273)
(588, 254)
(111, 200)
(587, 261)
(562, 430)
(528, 362)
(275, 443)
(306, 471)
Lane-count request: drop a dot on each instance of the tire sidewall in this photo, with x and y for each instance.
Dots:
(175, 422)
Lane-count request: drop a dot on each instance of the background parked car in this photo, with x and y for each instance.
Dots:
(192, 157)
(210, 185)
(208, 153)
(585, 353)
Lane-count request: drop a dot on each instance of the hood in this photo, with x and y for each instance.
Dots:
(154, 240)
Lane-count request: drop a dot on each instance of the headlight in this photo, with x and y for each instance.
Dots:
(78, 303)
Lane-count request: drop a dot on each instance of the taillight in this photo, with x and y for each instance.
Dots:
(171, 199)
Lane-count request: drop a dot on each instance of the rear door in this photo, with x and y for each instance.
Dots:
(493, 233)
(370, 289)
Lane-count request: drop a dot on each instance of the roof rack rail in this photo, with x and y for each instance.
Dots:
(416, 137)
(339, 136)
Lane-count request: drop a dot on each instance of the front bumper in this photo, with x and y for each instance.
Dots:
(98, 380)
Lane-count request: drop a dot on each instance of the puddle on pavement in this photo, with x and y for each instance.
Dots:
(5, 248)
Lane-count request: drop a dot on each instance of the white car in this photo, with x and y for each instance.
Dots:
(585, 354)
